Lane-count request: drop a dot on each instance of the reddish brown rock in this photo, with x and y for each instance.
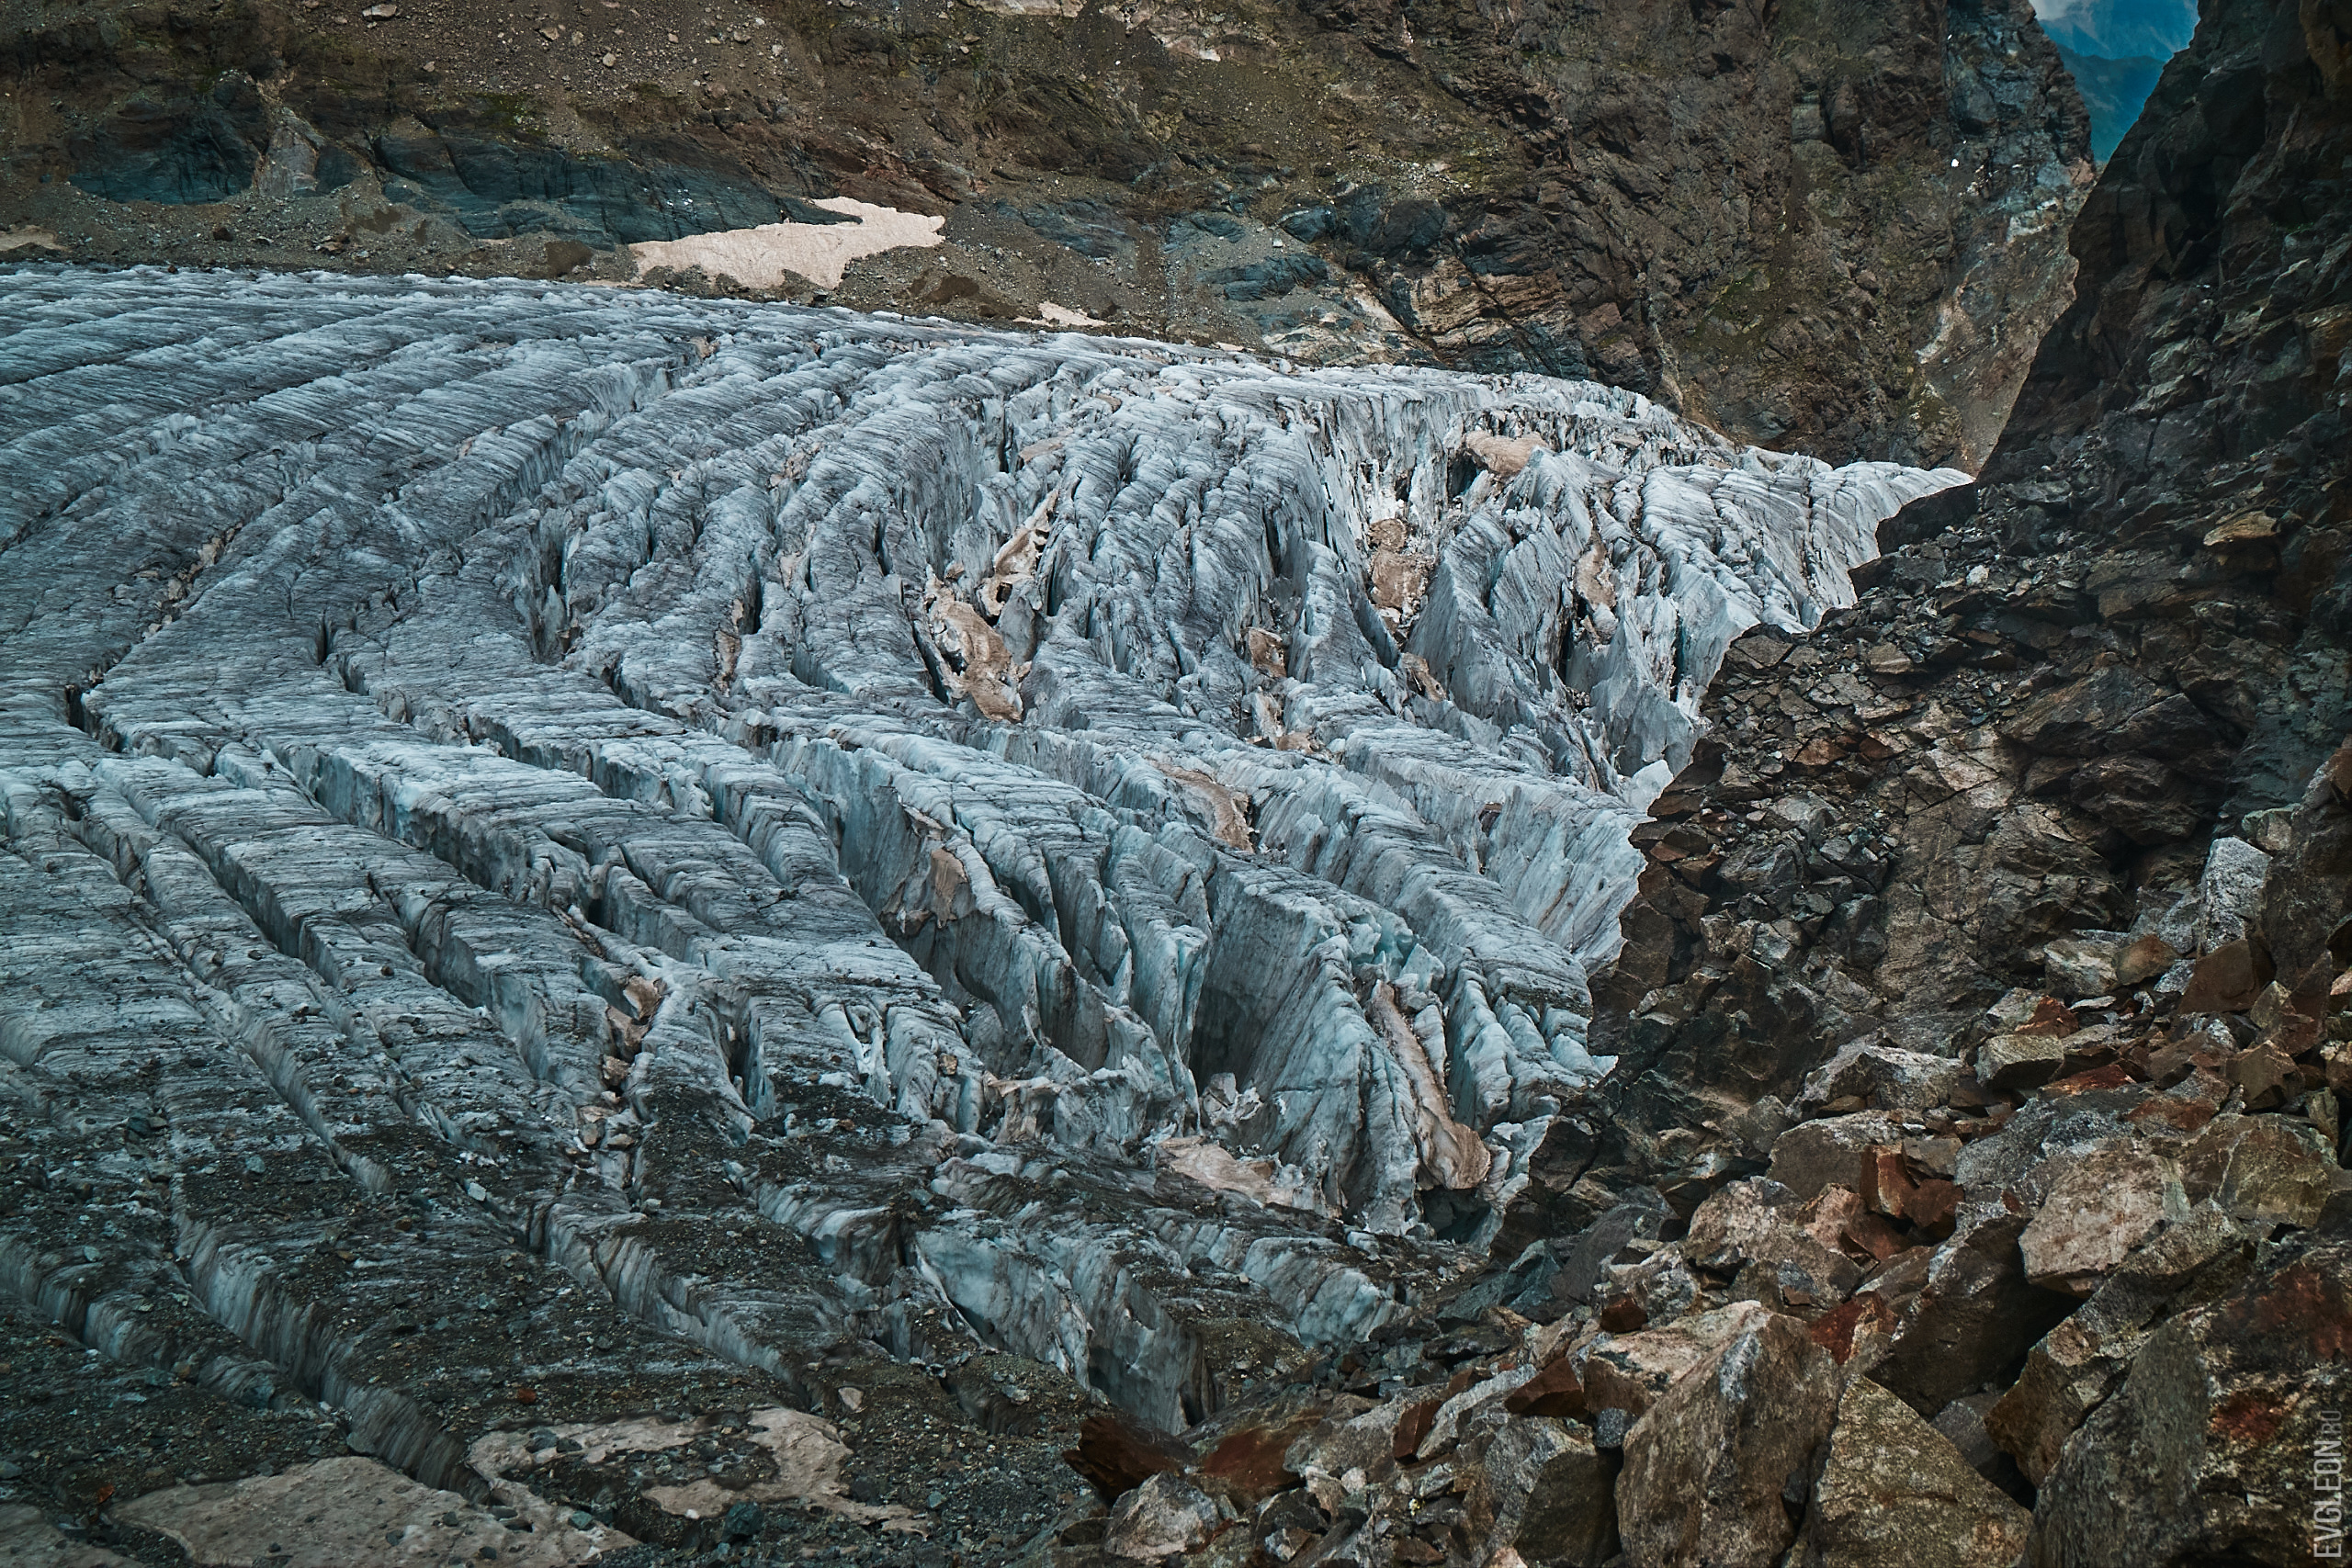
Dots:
(1893, 1492)
(1622, 1315)
(1556, 1391)
(2264, 1075)
(2204, 1454)
(1413, 1426)
(1251, 1463)
(1708, 1468)
(1116, 1453)
(2227, 979)
(1885, 1183)
(1841, 1330)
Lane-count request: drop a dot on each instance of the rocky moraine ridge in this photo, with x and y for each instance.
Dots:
(658, 933)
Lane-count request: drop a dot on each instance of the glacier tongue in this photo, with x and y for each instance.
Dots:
(607, 739)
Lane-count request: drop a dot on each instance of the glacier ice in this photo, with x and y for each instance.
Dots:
(1179, 795)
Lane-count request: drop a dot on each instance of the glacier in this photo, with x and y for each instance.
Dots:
(1100, 841)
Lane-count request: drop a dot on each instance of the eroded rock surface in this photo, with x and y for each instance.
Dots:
(2059, 803)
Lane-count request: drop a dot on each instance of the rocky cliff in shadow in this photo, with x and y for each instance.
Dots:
(2000, 908)
(1819, 224)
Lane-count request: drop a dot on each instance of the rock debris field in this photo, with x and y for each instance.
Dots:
(624, 919)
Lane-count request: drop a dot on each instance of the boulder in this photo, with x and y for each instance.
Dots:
(2264, 1075)
(2081, 965)
(1164, 1517)
(2080, 720)
(2145, 959)
(2010, 1161)
(2308, 892)
(1882, 1076)
(2227, 979)
(1711, 1468)
(1551, 1493)
(1893, 1492)
(2205, 1454)
(2229, 892)
(1250, 1461)
(1557, 1390)
(1457, 1411)
(1973, 1318)
(2078, 1362)
(2137, 797)
(1359, 1441)
(1602, 1242)
(1760, 1222)
(2266, 1170)
(338, 1511)
(2020, 1061)
(2100, 1206)
(1628, 1371)
(1890, 1186)
(1814, 1155)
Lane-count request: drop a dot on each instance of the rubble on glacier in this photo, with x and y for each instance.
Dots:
(576, 858)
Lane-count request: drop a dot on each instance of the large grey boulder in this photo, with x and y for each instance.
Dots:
(2209, 1450)
(1893, 1492)
(1712, 1468)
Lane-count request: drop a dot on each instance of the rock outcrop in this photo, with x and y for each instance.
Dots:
(1827, 227)
(2058, 804)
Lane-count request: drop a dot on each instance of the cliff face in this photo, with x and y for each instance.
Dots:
(2136, 621)
(2187, 414)
(2057, 809)
(1822, 224)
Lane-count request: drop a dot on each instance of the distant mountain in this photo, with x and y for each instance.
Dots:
(2120, 29)
(2113, 91)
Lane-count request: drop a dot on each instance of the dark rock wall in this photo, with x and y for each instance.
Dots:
(2052, 811)
(2060, 683)
(1824, 224)
(2187, 414)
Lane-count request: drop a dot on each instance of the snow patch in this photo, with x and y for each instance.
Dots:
(761, 257)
